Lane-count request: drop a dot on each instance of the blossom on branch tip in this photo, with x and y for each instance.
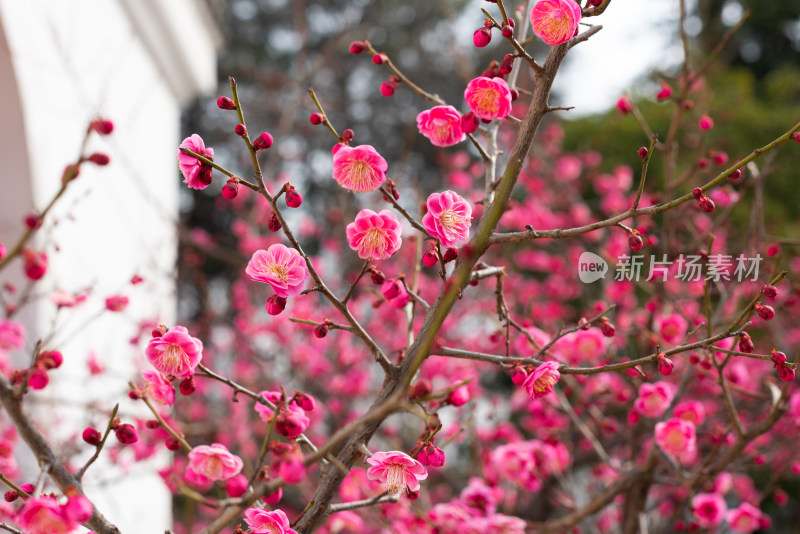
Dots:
(375, 236)
(541, 381)
(196, 174)
(359, 169)
(214, 462)
(397, 471)
(555, 21)
(175, 353)
(488, 98)
(263, 521)
(709, 508)
(281, 267)
(442, 125)
(449, 218)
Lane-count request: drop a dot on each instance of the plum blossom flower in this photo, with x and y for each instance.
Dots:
(396, 470)
(448, 218)
(488, 98)
(159, 387)
(442, 125)
(281, 267)
(541, 381)
(263, 521)
(196, 174)
(43, 515)
(744, 519)
(12, 335)
(677, 438)
(654, 399)
(374, 236)
(359, 169)
(214, 462)
(709, 508)
(175, 353)
(555, 21)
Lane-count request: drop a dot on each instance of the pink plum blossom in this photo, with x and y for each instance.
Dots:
(175, 353)
(396, 470)
(196, 174)
(263, 521)
(12, 335)
(359, 169)
(214, 462)
(709, 508)
(281, 267)
(744, 519)
(488, 98)
(442, 125)
(654, 399)
(449, 218)
(374, 236)
(672, 328)
(43, 515)
(541, 381)
(158, 387)
(677, 438)
(555, 21)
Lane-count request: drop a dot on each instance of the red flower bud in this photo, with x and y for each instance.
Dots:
(643, 152)
(388, 88)
(421, 389)
(11, 495)
(377, 277)
(357, 47)
(126, 434)
(665, 365)
(273, 224)
(607, 328)
(240, 130)
(379, 59)
(777, 357)
(293, 198)
(275, 305)
(482, 36)
(187, 386)
(450, 254)
(735, 176)
(101, 126)
(321, 330)
(785, 373)
(263, 141)
(92, 436)
(316, 118)
(51, 359)
(347, 136)
(469, 123)
(230, 189)
(745, 343)
(224, 102)
(172, 444)
(769, 291)
(635, 241)
(764, 311)
(158, 331)
(430, 259)
(99, 159)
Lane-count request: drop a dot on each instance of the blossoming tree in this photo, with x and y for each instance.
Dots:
(471, 375)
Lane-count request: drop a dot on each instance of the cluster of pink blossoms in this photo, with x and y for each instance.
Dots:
(44, 515)
(263, 521)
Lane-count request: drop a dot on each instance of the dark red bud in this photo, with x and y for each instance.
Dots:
(226, 103)
(187, 386)
(99, 159)
(357, 47)
(316, 118)
(273, 224)
(92, 436)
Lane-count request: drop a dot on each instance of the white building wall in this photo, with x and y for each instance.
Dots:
(134, 62)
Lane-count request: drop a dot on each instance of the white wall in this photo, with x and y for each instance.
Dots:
(134, 62)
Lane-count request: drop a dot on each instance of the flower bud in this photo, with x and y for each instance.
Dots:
(777, 357)
(51, 359)
(158, 331)
(377, 277)
(642, 152)
(764, 311)
(459, 396)
(230, 189)
(391, 289)
(263, 141)
(469, 123)
(735, 176)
(379, 59)
(273, 224)
(347, 135)
(665, 365)
(38, 378)
(624, 105)
(293, 198)
(187, 386)
(237, 486)
(421, 389)
(99, 159)
(388, 88)
(92, 436)
(519, 375)
(706, 204)
(321, 330)
(635, 241)
(34, 264)
(11, 495)
(665, 93)
(482, 36)
(450, 254)
(172, 444)
(785, 373)
(769, 291)
(275, 305)
(607, 328)
(101, 126)
(357, 47)
(316, 118)
(706, 122)
(240, 130)
(226, 103)
(430, 259)
(796, 136)
(507, 64)
(745, 343)
(126, 434)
